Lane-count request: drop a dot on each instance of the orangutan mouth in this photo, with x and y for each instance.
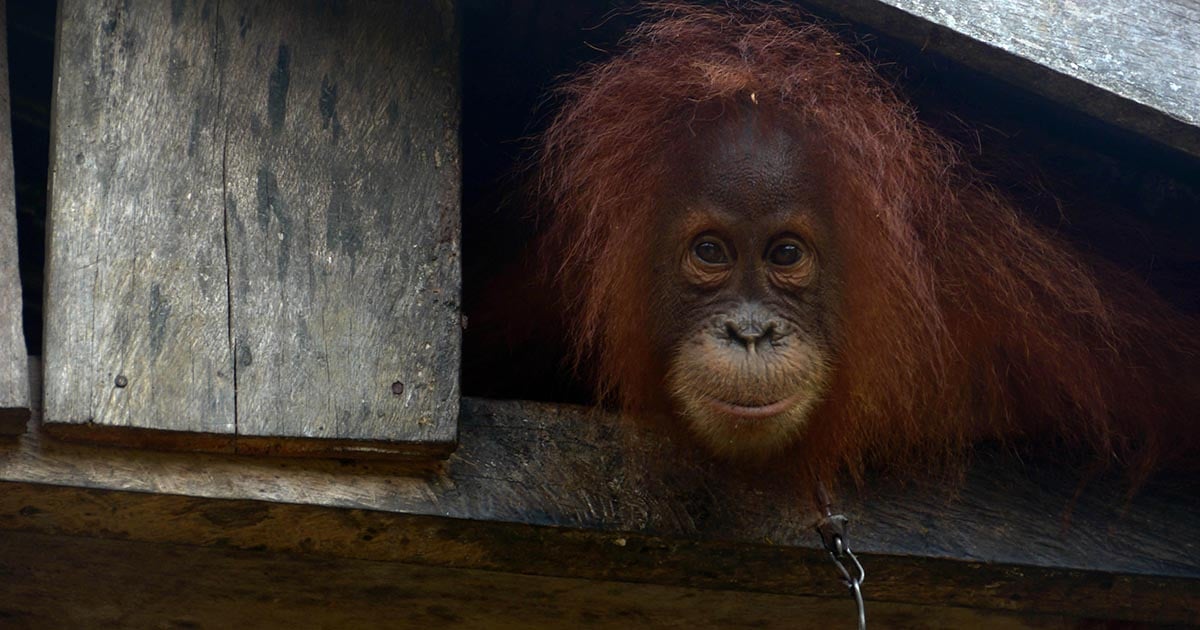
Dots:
(753, 412)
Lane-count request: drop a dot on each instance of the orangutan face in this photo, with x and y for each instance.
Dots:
(745, 287)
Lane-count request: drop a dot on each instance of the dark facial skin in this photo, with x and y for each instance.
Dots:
(745, 290)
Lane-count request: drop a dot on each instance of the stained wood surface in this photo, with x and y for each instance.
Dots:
(1133, 63)
(50, 582)
(254, 226)
(14, 383)
(553, 491)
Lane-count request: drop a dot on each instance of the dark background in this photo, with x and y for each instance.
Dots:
(1116, 195)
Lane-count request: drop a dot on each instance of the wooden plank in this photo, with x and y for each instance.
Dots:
(555, 491)
(1132, 63)
(137, 312)
(14, 383)
(344, 221)
(255, 232)
(368, 538)
(50, 582)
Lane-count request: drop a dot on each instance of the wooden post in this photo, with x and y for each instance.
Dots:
(254, 226)
(14, 383)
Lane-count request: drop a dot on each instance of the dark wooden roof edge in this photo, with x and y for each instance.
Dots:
(1131, 64)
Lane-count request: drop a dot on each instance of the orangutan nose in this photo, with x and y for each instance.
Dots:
(752, 328)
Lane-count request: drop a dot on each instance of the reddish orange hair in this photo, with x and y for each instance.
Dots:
(961, 319)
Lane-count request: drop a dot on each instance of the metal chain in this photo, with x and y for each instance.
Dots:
(832, 528)
(853, 581)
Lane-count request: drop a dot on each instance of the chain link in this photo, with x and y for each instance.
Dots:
(854, 580)
(832, 528)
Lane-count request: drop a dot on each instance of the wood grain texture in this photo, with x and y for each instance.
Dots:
(1132, 63)
(254, 227)
(562, 492)
(50, 582)
(342, 194)
(14, 383)
(136, 290)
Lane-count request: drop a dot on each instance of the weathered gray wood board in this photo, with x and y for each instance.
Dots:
(254, 226)
(136, 302)
(14, 383)
(342, 173)
(555, 491)
(1134, 63)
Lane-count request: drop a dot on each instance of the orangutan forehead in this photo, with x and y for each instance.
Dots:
(746, 164)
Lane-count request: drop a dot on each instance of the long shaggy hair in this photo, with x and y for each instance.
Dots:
(960, 319)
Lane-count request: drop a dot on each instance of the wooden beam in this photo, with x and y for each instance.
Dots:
(254, 227)
(544, 490)
(14, 383)
(1131, 63)
(51, 582)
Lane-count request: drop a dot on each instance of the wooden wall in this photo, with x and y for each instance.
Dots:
(254, 227)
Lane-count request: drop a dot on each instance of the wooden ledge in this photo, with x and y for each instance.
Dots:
(553, 492)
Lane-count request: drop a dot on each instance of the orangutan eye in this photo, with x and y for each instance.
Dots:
(786, 253)
(710, 250)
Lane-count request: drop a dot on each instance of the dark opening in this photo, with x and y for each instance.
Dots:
(30, 76)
